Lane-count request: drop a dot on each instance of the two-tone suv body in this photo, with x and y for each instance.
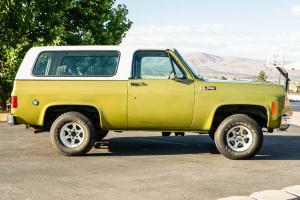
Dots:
(79, 93)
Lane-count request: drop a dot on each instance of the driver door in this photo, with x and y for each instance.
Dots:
(155, 102)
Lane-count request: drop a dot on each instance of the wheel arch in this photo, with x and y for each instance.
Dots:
(259, 113)
(51, 112)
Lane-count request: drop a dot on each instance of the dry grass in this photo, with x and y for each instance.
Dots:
(3, 117)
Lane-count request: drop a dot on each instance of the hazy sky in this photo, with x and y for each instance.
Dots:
(235, 28)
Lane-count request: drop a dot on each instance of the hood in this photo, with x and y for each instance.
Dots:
(247, 88)
(238, 81)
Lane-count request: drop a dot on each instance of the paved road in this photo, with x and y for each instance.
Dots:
(144, 167)
(296, 106)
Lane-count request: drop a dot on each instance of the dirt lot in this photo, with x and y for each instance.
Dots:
(141, 165)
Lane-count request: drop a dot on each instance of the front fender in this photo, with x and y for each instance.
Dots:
(205, 122)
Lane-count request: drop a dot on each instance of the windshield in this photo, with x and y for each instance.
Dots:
(195, 74)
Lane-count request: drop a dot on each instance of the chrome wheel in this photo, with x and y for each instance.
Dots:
(71, 135)
(239, 138)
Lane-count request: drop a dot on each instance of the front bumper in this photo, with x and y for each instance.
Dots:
(11, 120)
(285, 122)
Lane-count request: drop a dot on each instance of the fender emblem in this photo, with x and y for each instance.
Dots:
(208, 88)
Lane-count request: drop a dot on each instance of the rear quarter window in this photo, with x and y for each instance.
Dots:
(77, 63)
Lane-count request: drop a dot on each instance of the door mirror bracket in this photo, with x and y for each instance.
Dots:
(174, 77)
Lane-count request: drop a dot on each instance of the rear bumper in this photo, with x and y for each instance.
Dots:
(11, 120)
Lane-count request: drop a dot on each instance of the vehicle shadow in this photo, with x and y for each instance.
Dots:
(155, 145)
(280, 147)
(276, 147)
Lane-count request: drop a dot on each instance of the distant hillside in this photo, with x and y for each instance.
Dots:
(213, 66)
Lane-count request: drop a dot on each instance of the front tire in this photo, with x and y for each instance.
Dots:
(72, 134)
(101, 134)
(212, 136)
(238, 137)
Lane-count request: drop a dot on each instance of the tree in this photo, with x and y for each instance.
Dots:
(28, 23)
(297, 85)
(223, 78)
(262, 77)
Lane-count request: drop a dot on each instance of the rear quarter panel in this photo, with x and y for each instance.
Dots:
(109, 97)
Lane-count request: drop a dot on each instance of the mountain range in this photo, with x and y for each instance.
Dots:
(212, 66)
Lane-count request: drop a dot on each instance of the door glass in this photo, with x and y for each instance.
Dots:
(155, 65)
(152, 65)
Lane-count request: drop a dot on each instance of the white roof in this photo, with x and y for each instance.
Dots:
(124, 68)
(95, 48)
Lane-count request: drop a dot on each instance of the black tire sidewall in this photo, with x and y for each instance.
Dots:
(212, 136)
(86, 125)
(236, 120)
(101, 135)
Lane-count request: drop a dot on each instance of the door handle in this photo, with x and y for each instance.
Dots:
(138, 84)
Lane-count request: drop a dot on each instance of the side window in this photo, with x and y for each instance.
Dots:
(77, 63)
(153, 65)
(43, 64)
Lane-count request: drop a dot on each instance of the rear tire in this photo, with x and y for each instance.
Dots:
(72, 134)
(239, 137)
